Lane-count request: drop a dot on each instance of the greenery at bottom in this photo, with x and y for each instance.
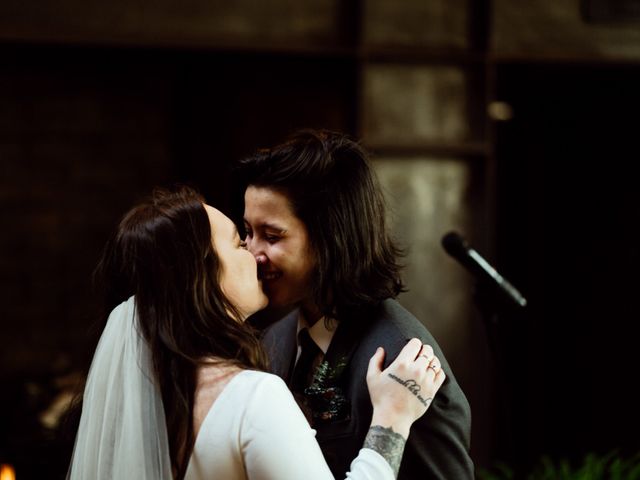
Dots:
(593, 467)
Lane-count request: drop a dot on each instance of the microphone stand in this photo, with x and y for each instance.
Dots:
(501, 307)
(504, 321)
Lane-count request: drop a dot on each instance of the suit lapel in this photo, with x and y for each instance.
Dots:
(280, 343)
(343, 344)
(348, 336)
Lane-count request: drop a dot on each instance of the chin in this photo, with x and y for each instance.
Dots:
(273, 303)
(265, 303)
(280, 308)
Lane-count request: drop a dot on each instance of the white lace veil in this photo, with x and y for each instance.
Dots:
(122, 431)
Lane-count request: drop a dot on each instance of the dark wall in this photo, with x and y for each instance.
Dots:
(568, 234)
(82, 134)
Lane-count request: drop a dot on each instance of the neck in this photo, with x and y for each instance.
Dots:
(311, 313)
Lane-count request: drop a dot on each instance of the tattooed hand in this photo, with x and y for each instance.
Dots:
(402, 393)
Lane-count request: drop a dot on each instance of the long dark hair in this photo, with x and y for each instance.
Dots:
(334, 191)
(162, 253)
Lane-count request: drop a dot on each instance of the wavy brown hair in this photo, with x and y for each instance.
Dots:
(163, 254)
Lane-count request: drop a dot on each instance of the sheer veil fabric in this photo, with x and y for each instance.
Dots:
(122, 431)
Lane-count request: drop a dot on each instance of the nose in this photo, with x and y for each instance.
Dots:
(253, 247)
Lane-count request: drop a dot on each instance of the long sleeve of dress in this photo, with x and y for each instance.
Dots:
(278, 443)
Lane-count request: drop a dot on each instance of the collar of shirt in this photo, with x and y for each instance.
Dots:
(318, 332)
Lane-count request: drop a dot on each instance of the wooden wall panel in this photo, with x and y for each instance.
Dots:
(558, 29)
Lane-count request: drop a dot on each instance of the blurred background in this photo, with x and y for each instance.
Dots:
(514, 123)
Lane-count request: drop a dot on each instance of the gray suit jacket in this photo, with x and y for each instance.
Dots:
(438, 445)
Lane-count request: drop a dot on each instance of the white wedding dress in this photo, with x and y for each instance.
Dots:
(255, 431)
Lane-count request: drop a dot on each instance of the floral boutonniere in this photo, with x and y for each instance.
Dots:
(324, 396)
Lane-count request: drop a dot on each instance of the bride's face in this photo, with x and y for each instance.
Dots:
(239, 275)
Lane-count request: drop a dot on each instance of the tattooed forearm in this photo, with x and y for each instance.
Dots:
(387, 443)
(414, 388)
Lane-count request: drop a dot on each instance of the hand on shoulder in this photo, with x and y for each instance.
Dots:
(402, 392)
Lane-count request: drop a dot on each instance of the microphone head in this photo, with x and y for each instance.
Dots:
(455, 245)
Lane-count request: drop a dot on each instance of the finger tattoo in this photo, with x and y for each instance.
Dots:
(413, 387)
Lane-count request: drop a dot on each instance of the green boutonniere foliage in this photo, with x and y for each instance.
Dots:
(325, 396)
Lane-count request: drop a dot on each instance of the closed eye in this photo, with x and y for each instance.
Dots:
(272, 238)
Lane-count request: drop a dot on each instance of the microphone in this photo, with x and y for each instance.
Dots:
(457, 247)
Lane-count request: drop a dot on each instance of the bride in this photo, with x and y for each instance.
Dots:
(177, 387)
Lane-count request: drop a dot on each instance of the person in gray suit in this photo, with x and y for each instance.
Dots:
(314, 217)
